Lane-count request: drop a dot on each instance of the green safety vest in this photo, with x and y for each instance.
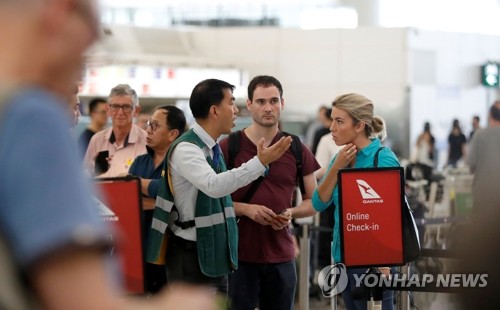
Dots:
(215, 222)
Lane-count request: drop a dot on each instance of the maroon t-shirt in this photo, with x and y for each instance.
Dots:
(259, 243)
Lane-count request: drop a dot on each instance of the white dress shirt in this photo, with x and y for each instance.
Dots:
(190, 172)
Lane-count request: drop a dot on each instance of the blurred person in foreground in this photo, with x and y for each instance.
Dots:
(480, 235)
(50, 226)
(479, 238)
(484, 163)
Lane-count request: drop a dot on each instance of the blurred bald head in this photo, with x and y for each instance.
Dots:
(495, 113)
(42, 42)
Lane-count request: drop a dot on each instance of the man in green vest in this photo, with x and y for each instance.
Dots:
(194, 208)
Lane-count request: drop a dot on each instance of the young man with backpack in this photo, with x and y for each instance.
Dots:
(266, 275)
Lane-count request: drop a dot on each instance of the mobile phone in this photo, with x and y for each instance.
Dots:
(101, 162)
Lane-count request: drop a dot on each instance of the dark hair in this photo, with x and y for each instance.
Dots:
(427, 127)
(495, 110)
(206, 94)
(94, 103)
(476, 118)
(263, 80)
(456, 124)
(175, 118)
(328, 114)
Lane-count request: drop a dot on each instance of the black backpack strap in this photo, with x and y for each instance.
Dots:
(233, 148)
(375, 158)
(297, 152)
(251, 191)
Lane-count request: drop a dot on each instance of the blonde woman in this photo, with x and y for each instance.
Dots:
(354, 126)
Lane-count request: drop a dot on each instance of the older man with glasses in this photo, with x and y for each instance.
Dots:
(111, 152)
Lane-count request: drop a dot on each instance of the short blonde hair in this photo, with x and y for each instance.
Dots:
(360, 109)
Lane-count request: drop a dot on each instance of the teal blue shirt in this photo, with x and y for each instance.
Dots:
(364, 159)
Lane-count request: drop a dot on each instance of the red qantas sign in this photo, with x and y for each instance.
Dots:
(121, 206)
(370, 216)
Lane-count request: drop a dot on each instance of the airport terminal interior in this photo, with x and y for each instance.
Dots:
(431, 67)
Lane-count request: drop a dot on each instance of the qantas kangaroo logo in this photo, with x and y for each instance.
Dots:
(367, 192)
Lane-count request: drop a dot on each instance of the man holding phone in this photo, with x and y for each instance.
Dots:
(111, 152)
(266, 275)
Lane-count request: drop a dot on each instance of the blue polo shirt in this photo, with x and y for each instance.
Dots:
(364, 159)
(45, 200)
(143, 167)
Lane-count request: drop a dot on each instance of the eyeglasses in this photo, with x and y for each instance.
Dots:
(153, 125)
(126, 108)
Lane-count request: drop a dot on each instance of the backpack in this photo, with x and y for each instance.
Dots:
(233, 148)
